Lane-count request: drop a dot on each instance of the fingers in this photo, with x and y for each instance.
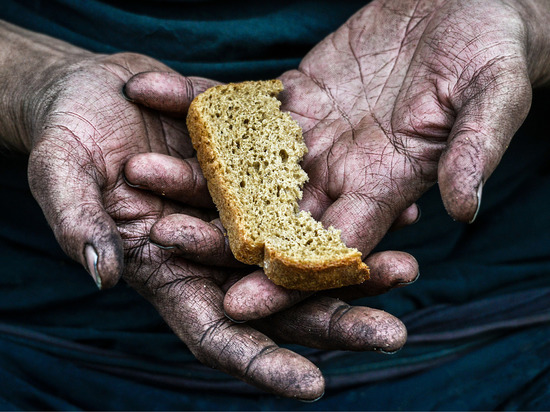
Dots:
(328, 323)
(361, 194)
(473, 94)
(314, 200)
(255, 296)
(388, 270)
(487, 118)
(164, 91)
(194, 239)
(67, 187)
(410, 216)
(178, 179)
(191, 303)
(352, 214)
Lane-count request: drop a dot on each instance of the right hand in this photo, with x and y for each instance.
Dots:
(405, 94)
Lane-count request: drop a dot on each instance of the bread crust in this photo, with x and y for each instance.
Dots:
(243, 247)
(279, 268)
(312, 277)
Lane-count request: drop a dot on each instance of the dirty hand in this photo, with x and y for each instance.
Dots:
(404, 95)
(66, 107)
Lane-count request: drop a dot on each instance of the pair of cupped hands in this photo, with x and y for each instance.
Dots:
(404, 95)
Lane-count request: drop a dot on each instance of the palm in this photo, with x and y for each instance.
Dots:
(377, 109)
(91, 126)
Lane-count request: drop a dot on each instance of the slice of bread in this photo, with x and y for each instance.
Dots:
(249, 152)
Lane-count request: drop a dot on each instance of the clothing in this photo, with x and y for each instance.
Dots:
(478, 317)
(226, 41)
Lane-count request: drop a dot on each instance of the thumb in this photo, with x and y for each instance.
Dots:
(486, 121)
(165, 91)
(68, 191)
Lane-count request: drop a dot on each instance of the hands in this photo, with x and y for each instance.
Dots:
(80, 131)
(403, 95)
(239, 349)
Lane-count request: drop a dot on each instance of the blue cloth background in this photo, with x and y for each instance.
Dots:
(478, 317)
(217, 39)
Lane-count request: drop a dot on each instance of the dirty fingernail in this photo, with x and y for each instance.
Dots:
(125, 95)
(233, 320)
(91, 257)
(128, 182)
(418, 216)
(387, 352)
(312, 400)
(161, 246)
(409, 282)
(479, 193)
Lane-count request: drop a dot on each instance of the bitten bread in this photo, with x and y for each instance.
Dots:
(249, 152)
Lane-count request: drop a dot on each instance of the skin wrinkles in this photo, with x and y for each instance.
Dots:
(338, 313)
(353, 130)
(386, 151)
(345, 330)
(169, 131)
(207, 242)
(399, 51)
(385, 116)
(89, 159)
(382, 337)
(83, 133)
(264, 351)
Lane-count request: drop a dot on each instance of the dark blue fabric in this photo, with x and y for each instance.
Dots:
(222, 40)
(478, 317)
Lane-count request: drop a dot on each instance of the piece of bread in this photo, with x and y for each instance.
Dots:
(249, 152)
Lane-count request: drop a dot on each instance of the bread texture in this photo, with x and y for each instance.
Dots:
(250, 153)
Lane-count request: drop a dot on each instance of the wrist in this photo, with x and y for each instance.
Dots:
(31, 70)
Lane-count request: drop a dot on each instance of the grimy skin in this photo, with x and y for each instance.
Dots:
(404, 95)
(430, 90)
(66, 107)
